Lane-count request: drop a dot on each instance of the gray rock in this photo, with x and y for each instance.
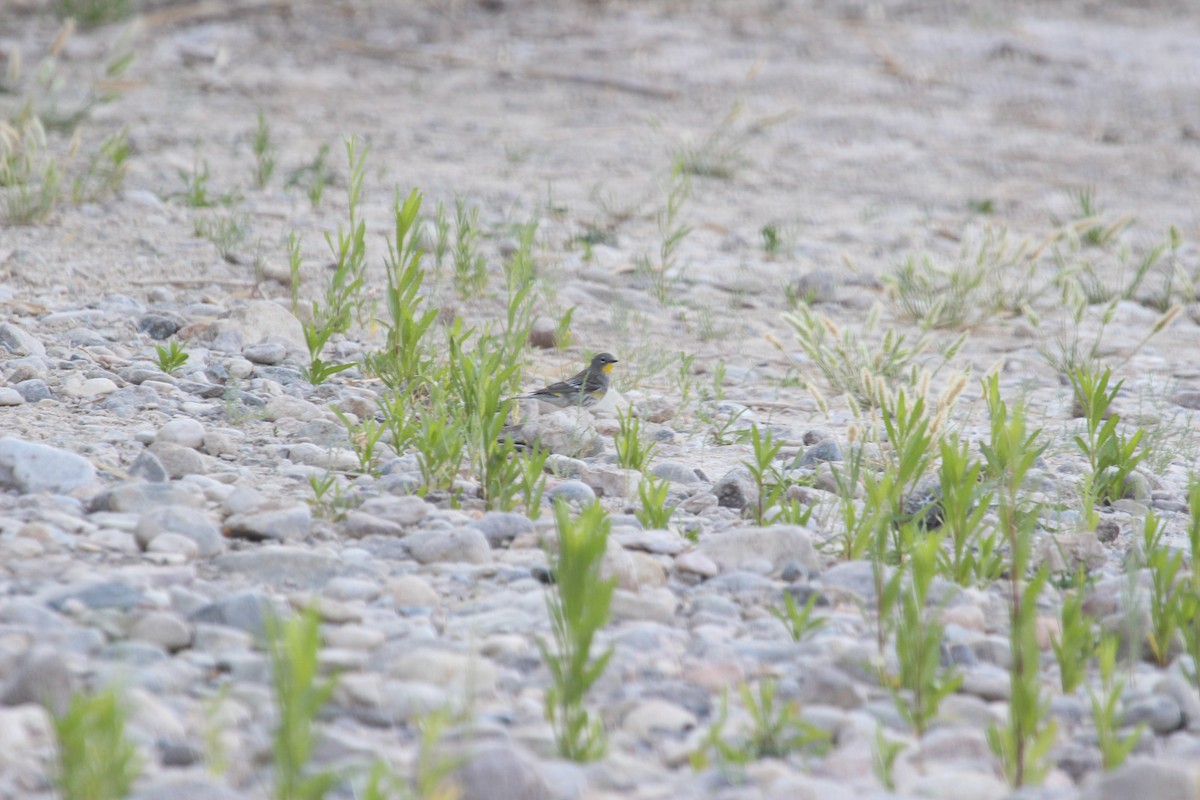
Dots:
(287, 407)
(358, 524)
(128, 399)
(147, 467)
(262, 320)
(162, 628)
(19, 341)
(183, 431)
(188, 788)
(293, 522)
(564, 466)
(675, 472)
(1143, 778)
(404, 511)
(818, 286)
(501, 527)
(157, 327)
(855, 577)
(496, 770)
(11, 397)
(465, 544)
(575, 492)
(1159, 712)
(246, 611)
(109, 594)
(567, 431)
(775, 546)
(184, 520)
(825, 685)
(824, 450)
(42, 677)
(33, 390)
(137, 496)
(736, 489)
(282, 567)
(609, 481)
(179, 461)
(265, 352)
(31, 468)
(134, 654)
(26, 368)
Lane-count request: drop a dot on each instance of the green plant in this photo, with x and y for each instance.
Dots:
(29, 173)
(294, 271)
(440, 444)
(226, 231)
(364, 437)
(329, 499)
(923, 682)
(470, 266)
(195, 189)
(883, 758)
(799, 620)
(860, 368)
(772, 239)
(579, 607)
(633, 450)
(1167, 609)
(964, 499)
(764, 472)
(718, 155)
(776, 731)
(664, 276)
(105, 173)
(1075, 643)
(403, 361)
(654, 512)
(1023, 742)
(264, 153)
(300, 694)
(96, 761)
(1114, 748)
(90, 13)
(441, 236)
(562, 329)
(1111, 455)
(313, 177)
(1189, 604)
(170, 356)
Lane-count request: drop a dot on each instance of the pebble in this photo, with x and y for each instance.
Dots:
(574, 492)
(278, 524)
(458, 545)
(183, 521)
(185, 432)
(736, 489)
(11, 397)
(31, 468)
(773, 547)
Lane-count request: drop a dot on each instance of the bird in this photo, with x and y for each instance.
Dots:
(585, 388)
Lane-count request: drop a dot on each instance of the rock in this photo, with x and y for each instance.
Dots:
(358, 524)
(656, 605)
(576, 493)
(405, 511)
(495, 770)
(88, 389)
(775, 546)
(259, 321)
(651, 541)
(34, 390)
(184, 521)
(654, 409)
(287, 407)
(501, 527)
(19, 341)
(650, 719)
(157, 327)
(282, 566)
(147, 467)
(43, 677)
(825, 450)
(1159, 712)
(11, 397)
(184, 431)
(174, 544)
(825, 685)
(179, 461)
(186, 788)
(31, 468)
(675, 472)
(278, 524)
(465, 544)
(136, 496)
(564, 467)
(162, 628)
(129, 399)
(737, 489)
(246, 611)
(411, 591)
(543, 334)
(107, 594)
(567, 431)
(265, 352)
(817, 286)
(697, 564)
(27, 750)
(612, 481)
(1143, 778)
(458, 672)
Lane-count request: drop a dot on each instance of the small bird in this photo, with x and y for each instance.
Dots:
(585, 388)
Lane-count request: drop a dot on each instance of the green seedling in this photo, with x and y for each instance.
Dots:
(470, 266)
(328, 499)
(777, 731)
(1111, 455)
(90, 13)
(665, 276)
(96, 760)
(1075, 643)
(562, 329)
(29, 174)
(106, 170)
(1166, 603)
(313, 177)
(364, 437)
(579, 607)
(720, 154)
(654, 512)
(441, 236)
(633, 450)
(170, 357)
(294, 270)
(264, 153)
(766, 475)
(923, 682)
(800, 621)
(1114, 748)
(883, 758)
(972, 555)
(300, 694)
(195, 189)
(226, 231)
